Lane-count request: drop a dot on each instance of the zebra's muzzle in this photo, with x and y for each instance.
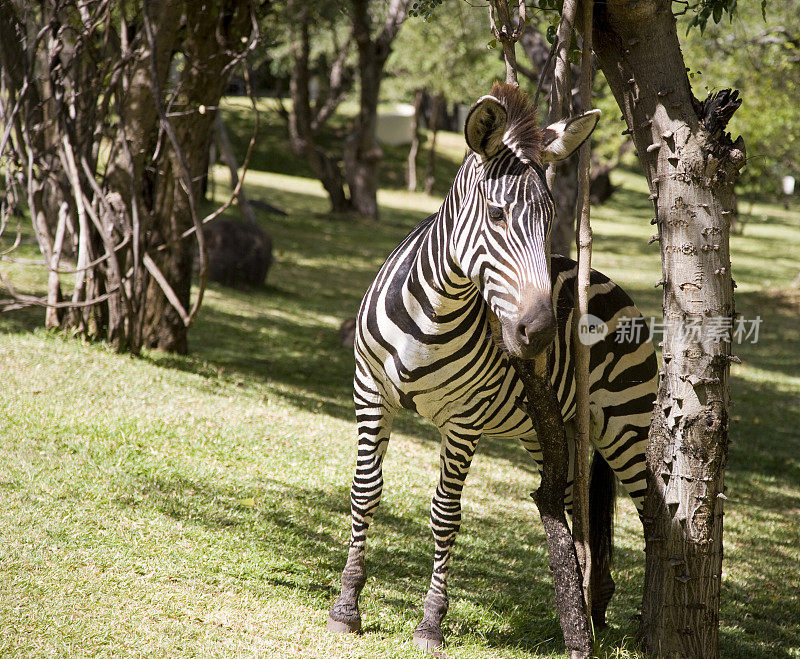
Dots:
(534, 328)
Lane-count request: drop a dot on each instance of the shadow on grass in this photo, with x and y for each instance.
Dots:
(299, 534)
(22, 320)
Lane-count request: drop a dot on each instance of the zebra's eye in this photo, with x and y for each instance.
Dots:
(496, 214)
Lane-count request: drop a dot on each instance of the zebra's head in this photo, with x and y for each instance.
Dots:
(502, 231)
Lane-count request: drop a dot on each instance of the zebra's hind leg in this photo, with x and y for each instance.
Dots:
(458, 448)
(602, 500)
(374, 427)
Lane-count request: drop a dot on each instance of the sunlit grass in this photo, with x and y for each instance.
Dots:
(182, 506)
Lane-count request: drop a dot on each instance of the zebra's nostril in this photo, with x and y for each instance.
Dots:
(523, 334)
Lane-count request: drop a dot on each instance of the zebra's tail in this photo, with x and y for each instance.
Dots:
(602, 502)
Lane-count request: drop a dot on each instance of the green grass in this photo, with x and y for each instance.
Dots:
(196, 506)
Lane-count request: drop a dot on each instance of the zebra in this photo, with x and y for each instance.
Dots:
(423, 342)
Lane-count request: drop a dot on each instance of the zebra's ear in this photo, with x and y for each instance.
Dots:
(485, 126)
(560, 140)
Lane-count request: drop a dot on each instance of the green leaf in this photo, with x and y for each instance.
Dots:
(492, 44)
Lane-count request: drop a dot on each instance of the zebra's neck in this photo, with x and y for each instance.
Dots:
(435, 263)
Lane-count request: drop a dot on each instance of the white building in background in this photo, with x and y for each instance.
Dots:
(394, 127)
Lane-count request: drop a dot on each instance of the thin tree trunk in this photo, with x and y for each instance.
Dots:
(565, 172)
(580, 525)
(229, 158)
(430, 178)
(690, 165)
(573, 614)
(411, 170)
(544, 409)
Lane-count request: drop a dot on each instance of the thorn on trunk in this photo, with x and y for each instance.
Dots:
(653, 147)
(654, 220)
(653, 196)
(660, 282)
(653, 239)
(734, 359)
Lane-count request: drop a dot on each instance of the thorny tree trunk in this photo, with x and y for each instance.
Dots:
(691, 165)
(565, 180)
(411, 169)
(436, 113)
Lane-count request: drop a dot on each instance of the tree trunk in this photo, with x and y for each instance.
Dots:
(302, 138)
(229, 158)
(583, 451)
(565, 196)
(362, 154)
(436, 114)
(411, 170)
(208, 50)
(690, 165)
(565, 179)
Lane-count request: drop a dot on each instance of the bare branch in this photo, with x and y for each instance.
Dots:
(153, 269)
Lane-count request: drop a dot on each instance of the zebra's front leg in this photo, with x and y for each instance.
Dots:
(374, 427)
(458, 448)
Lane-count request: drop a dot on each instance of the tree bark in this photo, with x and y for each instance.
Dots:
(564, 184)
(92, 73)
(209, 45)
(580, 522)
(690, 164)
(543, 406)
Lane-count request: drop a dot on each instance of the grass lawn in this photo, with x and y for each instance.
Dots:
(196, 506)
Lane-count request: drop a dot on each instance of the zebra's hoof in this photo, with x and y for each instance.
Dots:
(344, 626)
(428, 644)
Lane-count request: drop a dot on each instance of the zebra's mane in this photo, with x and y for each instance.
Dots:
(523, 135)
